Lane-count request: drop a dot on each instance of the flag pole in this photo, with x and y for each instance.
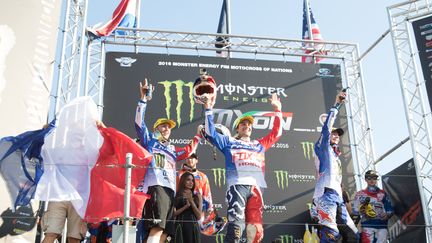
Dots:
(228, 16)
(228, 20)
(308, 18)
(137, 23)
(128, 167)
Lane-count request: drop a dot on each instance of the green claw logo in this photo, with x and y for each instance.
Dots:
(282, 178)
(286, 238)
(308, 150)
(219, 176)
(179, 84)
(220, 238)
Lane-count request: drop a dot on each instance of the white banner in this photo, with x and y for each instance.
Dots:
(28, 41)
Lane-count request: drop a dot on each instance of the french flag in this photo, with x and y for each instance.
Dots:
(78, 162)
(316, 35)
(123, 16)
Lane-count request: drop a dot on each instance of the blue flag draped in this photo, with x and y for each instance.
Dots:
(21, 164)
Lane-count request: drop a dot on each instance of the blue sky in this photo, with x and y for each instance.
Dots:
(360, 22)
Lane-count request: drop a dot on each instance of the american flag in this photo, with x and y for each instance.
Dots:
(316, 36)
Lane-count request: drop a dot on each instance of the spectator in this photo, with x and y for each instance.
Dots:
(374, 207)
(187, 211)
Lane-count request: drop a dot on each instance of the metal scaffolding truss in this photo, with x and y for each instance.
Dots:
(70, 83)
(400, 16)
(202, 43)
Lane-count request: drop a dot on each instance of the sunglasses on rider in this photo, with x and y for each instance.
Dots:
(371, 178)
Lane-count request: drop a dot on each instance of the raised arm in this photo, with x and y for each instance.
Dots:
(185, 152)
(324, 139)
(276, 131)
(218, 140)
(141, 129)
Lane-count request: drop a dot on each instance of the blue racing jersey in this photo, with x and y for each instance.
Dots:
(327, 163)
(380, 205)
(162, 170)
(244, 160)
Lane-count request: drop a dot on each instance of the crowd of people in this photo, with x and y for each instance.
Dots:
(180, 207)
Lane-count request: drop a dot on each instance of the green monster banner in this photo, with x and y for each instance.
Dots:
(306, 91)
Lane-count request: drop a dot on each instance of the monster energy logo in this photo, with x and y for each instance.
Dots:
(308, 149)
(219, 176)
(286, 238)
(220, 238)
(159, 160)
(179, 84)
(282, 178)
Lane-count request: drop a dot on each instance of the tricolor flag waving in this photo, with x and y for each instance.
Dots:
(315, 34)
(123, 16)
(81, 162)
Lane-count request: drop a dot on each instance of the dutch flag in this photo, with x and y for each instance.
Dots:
(123, 16)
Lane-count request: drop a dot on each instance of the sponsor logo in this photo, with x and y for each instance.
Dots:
(220, 238)
(263, 119)
(407, 219)
(219, 177)
(159, 160)
(308, 150)
(182, 89)
(282, 179)
(244, 89)
(179, 86)
(287, 239)
(301, 178)
(125, 61)
(426, 26)
(275, 208)
(426, 32)
(324, 72)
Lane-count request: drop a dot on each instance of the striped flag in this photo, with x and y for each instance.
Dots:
(222, 42)
(316, 36)
(21, 164)
(123, 16)
(84, 164)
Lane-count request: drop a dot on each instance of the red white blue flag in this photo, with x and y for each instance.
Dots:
(316, 34)
(123, 16)
(83, 164)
